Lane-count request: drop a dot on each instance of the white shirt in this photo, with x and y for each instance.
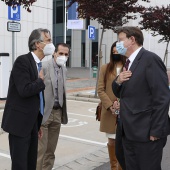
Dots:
(37, 60)
(133, 56)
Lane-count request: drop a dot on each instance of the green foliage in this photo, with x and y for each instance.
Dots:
(157, 19)
(26, 3)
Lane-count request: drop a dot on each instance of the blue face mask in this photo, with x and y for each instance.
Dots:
(120, 48)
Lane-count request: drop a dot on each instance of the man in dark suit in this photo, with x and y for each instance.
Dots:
(144, 102)
(22, 117)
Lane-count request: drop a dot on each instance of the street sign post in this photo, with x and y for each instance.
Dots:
(91, 36)
(91, 32)
(14, 13)
(13, 26)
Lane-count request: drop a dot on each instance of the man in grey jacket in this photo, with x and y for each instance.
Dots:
(55, 106)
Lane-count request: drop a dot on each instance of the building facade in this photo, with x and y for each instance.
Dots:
(50, 14)
(40, 17)
(79, 42)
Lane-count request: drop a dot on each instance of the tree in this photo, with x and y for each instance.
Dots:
(157, 19)
(26, 3)
(109, 13)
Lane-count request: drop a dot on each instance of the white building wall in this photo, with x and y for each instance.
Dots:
(76, 49)
(40, 17)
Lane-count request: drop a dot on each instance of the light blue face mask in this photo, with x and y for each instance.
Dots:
(120, 48)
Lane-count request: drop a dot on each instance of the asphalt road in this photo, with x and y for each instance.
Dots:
(79, 138)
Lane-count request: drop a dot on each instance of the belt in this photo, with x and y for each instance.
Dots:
(56, 107)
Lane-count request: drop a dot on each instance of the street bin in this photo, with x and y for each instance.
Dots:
(4, 74)
(94, 71)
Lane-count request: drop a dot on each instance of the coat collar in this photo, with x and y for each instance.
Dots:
(33, 64)
(134, 66)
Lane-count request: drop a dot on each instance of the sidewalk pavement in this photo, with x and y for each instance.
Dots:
(80, 86)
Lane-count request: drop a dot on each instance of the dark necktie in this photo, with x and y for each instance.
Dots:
(127, 64)
(41, 95)
(60, 87)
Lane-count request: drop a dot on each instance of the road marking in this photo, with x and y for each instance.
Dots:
(92, 92)
(74, 123)
(84, 140)
(80, 115)
(83, 101)
(5, 155)
(93, 110)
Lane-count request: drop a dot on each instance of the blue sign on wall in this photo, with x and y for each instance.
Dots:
(91, 32)
(14, 13)
(72, 11)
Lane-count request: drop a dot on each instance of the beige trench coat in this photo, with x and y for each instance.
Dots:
(106, 95)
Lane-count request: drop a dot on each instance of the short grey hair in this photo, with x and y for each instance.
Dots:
(36, 37)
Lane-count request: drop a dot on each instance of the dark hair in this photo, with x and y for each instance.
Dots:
(36, 37)
(111, 65)
(132, 31)
(62, 44)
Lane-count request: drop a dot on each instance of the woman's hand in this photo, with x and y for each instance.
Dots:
(116, 105)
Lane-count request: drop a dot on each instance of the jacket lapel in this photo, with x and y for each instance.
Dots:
(52, 74)
(33, 64)
(64, 77)
(133, 66)
(136, 61)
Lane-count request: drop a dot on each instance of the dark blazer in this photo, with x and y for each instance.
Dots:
(144, 99)
(22, 105)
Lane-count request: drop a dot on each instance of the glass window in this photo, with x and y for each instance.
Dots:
(59, 12)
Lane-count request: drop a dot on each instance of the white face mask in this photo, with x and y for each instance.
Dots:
(61, 60)
(49, 49)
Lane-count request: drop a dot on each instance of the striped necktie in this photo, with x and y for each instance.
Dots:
(127, 64)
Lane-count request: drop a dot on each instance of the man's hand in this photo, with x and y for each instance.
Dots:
(152, 138)
(40, 134)
(124, 76)
(41, 74)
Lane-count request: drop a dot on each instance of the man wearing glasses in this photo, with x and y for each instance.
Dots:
(24, 106)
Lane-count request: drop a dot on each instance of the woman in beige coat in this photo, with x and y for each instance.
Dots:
(108, 73)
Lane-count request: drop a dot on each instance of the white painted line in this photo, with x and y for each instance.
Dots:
(5, 155)
(84, 140)
(93, 110)
(83, 101)
(80, 115)
(92, 92)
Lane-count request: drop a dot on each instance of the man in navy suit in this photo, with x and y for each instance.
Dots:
(144, 102)
(22, 117)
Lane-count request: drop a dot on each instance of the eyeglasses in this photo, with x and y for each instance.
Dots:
(48, 42)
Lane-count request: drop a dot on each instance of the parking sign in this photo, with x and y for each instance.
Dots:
(91, 32)
(14, 13)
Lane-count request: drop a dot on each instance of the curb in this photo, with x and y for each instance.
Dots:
(94, 100)
(77, 96)
(2, 106)
(87, 162)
